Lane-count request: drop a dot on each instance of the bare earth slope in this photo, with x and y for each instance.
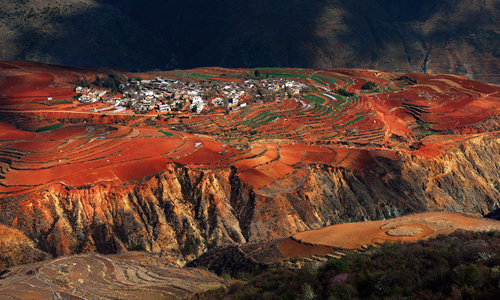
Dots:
(104, 277)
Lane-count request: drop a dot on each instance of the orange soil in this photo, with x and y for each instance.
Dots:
(36, 146)
(353, 236)
(261, 176)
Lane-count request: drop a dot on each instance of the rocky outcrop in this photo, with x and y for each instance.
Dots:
(17, 249)
(181, 213)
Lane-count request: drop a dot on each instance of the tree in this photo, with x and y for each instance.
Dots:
(98, 81)
(343, 92)
(225, 101)
(370, 85)
(259, 91)
(257, 73)
(194, 109)
(282, 93)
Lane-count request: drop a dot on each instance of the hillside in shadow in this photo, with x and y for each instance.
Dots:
(445, 36)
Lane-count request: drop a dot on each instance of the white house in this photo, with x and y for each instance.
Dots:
(217, 102)
(164, 107)
(197, 101)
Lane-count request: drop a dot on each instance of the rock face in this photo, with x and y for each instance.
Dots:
(447, 36)
(182, 212)
(17, 249)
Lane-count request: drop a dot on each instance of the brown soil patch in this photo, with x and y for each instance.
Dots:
(405, 231)
(292, 248)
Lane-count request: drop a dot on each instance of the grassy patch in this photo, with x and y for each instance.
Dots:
(47, 128)
(166, 133)
(327, 79)
(314, 99)
(317, 80)
(272, 118)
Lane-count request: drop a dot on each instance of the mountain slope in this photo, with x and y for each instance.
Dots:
(447, 36)
(75, 32)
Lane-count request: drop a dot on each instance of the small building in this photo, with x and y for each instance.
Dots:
(164, 107)
(197, 100)
(118, 109)
(218, 102)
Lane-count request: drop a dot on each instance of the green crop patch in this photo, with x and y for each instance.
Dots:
(258, 118)
(350, 122)
(314, 99)
(166, 133)
(47, 128)
(272, 118)
(317, 80)
(327, 79)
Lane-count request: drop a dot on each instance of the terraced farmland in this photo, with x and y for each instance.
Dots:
(267, 143)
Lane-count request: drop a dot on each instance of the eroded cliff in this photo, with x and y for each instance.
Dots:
(181, 212)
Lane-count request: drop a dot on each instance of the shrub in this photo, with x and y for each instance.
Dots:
(307, 292)
(343, 92)
(236, 287)
(340, 279)
(370, 85)
(288, 295)
(338, 264)
(307, 273)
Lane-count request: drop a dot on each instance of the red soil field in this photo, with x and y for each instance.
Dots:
(348, 134)
(36, 146)
(140, 169)
(9, 132)
(383, 153)
(256, 178)
(325, 157)
(290, 155)
(226, 79)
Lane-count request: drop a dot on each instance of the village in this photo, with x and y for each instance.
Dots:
(167, 95)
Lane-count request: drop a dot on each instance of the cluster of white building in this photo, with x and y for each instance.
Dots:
(91, 96)
(168, 95)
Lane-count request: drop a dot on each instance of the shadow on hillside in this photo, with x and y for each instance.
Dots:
(94, 36)
(384, 34)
